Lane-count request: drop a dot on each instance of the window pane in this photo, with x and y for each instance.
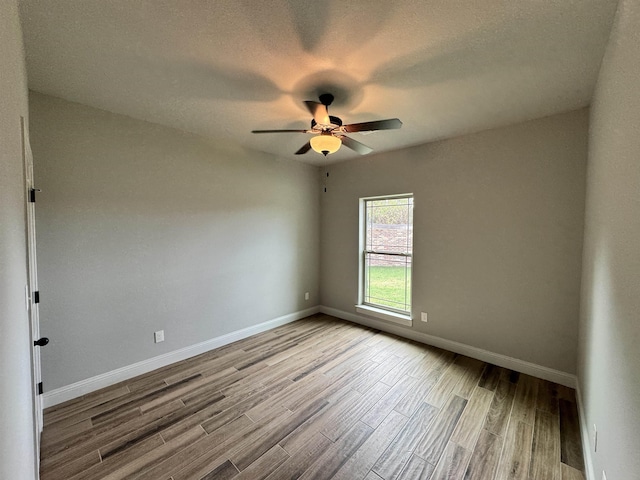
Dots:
(389, 225)
(388, 281)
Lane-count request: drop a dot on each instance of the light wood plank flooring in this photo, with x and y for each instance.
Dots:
(316, 399)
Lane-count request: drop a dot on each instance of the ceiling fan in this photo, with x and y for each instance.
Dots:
(329, 132)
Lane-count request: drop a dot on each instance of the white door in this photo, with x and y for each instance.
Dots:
(32, 288)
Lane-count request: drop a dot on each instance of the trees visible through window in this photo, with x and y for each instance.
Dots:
(388, 248)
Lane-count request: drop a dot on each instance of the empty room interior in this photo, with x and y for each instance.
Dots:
(291, 239)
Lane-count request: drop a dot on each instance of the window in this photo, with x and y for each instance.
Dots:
(387, 247)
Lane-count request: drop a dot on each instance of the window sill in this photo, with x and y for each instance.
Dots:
(398, 318)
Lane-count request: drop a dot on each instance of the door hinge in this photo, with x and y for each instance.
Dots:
(40, 389)
(32, 194)
(36, 297)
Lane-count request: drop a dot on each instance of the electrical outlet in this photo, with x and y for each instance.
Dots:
(423, 317)
(595, 438)
(158, 336)
(306, 296)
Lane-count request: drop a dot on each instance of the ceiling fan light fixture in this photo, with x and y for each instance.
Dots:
(325, 143)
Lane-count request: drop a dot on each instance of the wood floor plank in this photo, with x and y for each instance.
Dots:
(416, 366)
(298, 463)
(345, 359)
(208, 390)
(357, 467)
(218, 441)
(240, 382)
(500, 409)
(566, 393)
(301, 435)
(123, 404)
(416, 469)
(547, 399)
(68, 469)
(333, 357)
(146, 461)
(407, 347)
(373, 476)
(442, 362)
(471, 422)
(84, 401)
(570, 473)
(75, 407)
(510, 376)
(452, 463)
(269, 406)
(339, 424)
(484, 459)
(224, 471)
(438, 433)
(217, 414)
(218, 377)
(104, 435)
(470, 377)
(441, 392)
(293, 396)
(120, 458)
(516, 454)
(216, 364)
(490, 377)
(545, 455)
(337, 454)
(382, 408)
(304, 349)
(430, 361)
(398, 371)
(392, 461)
(265, 465)
(387, 350)
(411, 400)
(263, 376)
(253, 450)
(373, 377)
(524, 403)
(144, 381)
(212, 451)
(570, 443)
(51, 436)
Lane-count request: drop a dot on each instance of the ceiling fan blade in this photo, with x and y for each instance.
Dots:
(388, 124)
(280, 131)
(355, 145)
(304, 149)
(319, 112)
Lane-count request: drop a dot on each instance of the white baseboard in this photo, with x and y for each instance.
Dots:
(511, 363)
(68, 392)
(586, 437)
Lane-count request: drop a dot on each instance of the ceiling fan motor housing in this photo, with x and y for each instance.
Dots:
(335, 122)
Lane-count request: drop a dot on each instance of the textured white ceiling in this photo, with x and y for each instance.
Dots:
(220, 68)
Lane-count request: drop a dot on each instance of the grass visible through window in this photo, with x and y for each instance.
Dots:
(388, 286)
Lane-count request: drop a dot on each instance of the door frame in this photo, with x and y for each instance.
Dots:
(32, 285)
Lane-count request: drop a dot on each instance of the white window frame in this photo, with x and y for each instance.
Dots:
(374, 310)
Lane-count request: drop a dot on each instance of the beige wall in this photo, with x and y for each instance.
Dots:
(143, 228)
(498, 227)
(609, 347)
(17, 446)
